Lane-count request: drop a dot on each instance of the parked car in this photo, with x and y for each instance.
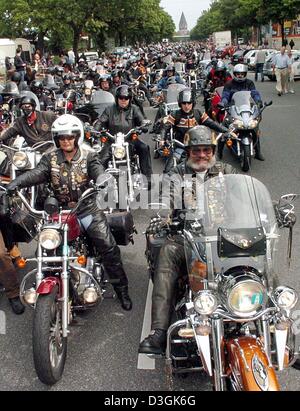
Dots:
(268, 70)
(249, 58)
(238, 56)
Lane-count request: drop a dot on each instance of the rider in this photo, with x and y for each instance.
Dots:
(34, 126)
(187, 117)
(122, 117)
(218, 75)
(37, 87)
(164, 81)
(69, 170)
(200, 164)
(241, 83)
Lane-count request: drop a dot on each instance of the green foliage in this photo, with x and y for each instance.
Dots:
(238, 15)
(127, 20)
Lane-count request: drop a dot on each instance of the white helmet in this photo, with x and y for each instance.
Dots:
(67, 125)
(240, 69)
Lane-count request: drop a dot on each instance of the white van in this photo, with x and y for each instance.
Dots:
(7, 49)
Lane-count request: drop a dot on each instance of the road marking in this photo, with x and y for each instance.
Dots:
(144, 362)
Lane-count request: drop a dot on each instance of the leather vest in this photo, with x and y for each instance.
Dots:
(69, 179)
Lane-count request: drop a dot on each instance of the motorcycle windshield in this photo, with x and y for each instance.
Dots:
(242, 102)
(230, 223)
(31, 95)
(219, 91)
(172, 92)
(102, 99)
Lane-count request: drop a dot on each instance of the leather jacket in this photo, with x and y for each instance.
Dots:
(234, 86)
(118, 120)
(68, 180)
(177, 185)
(182, 122)
(36, 133)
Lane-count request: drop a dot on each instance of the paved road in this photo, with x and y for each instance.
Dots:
(102, 349)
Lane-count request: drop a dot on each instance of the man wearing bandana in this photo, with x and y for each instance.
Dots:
(34, 126)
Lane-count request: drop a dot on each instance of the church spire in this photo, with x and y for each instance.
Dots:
(182, 23)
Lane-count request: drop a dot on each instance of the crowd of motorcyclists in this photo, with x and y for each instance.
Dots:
(59, 106)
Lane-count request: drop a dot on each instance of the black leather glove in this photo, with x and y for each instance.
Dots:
(11, 188)
(156, 224)
(260, 104)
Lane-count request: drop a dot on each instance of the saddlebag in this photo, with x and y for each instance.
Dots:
(122, 226)
(241, 242)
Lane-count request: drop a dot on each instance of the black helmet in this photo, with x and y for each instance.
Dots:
(67, 76)
(70, 95)
(186, 96)
(36, 86)
(51, 70)
(16, 77)
(104, 77)
(199, 136)
(28, 100)
(170, 68)
(123, 91)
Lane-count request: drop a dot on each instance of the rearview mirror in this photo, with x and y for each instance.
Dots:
(288, 198)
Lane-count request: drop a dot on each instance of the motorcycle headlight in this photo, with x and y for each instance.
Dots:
(119, 152)
(252, 124)
(50, 239)
(205, 302)
(87, 91)
(246, 297)
(238, 124)
(285, 297)
(20, 160)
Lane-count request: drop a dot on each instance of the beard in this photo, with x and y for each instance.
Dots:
(196, 167)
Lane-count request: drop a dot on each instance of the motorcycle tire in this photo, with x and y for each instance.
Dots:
(246, 158)
(49, 355)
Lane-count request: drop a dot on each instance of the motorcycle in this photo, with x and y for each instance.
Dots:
(24, 158)
(244, 118)
(123, 154)
(169, 149)
(67, 279)
(166, 104)
(231, 317)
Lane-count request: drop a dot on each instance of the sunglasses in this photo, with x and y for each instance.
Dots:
(68, 138)
(206, 150)
(186, 102)
(123, 98)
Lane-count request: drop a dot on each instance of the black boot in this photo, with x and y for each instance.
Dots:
(155, 343)
(123, 296)
(221, 145)
(16, 305)
(258, 154)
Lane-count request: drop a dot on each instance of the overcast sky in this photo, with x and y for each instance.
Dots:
(192, 10)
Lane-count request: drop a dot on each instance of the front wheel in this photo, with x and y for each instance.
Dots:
(49, 346)
(246, 158)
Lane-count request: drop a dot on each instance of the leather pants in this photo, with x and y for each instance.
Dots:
(171, 266)
(98, 232)
(143, 152)
(8, 273)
